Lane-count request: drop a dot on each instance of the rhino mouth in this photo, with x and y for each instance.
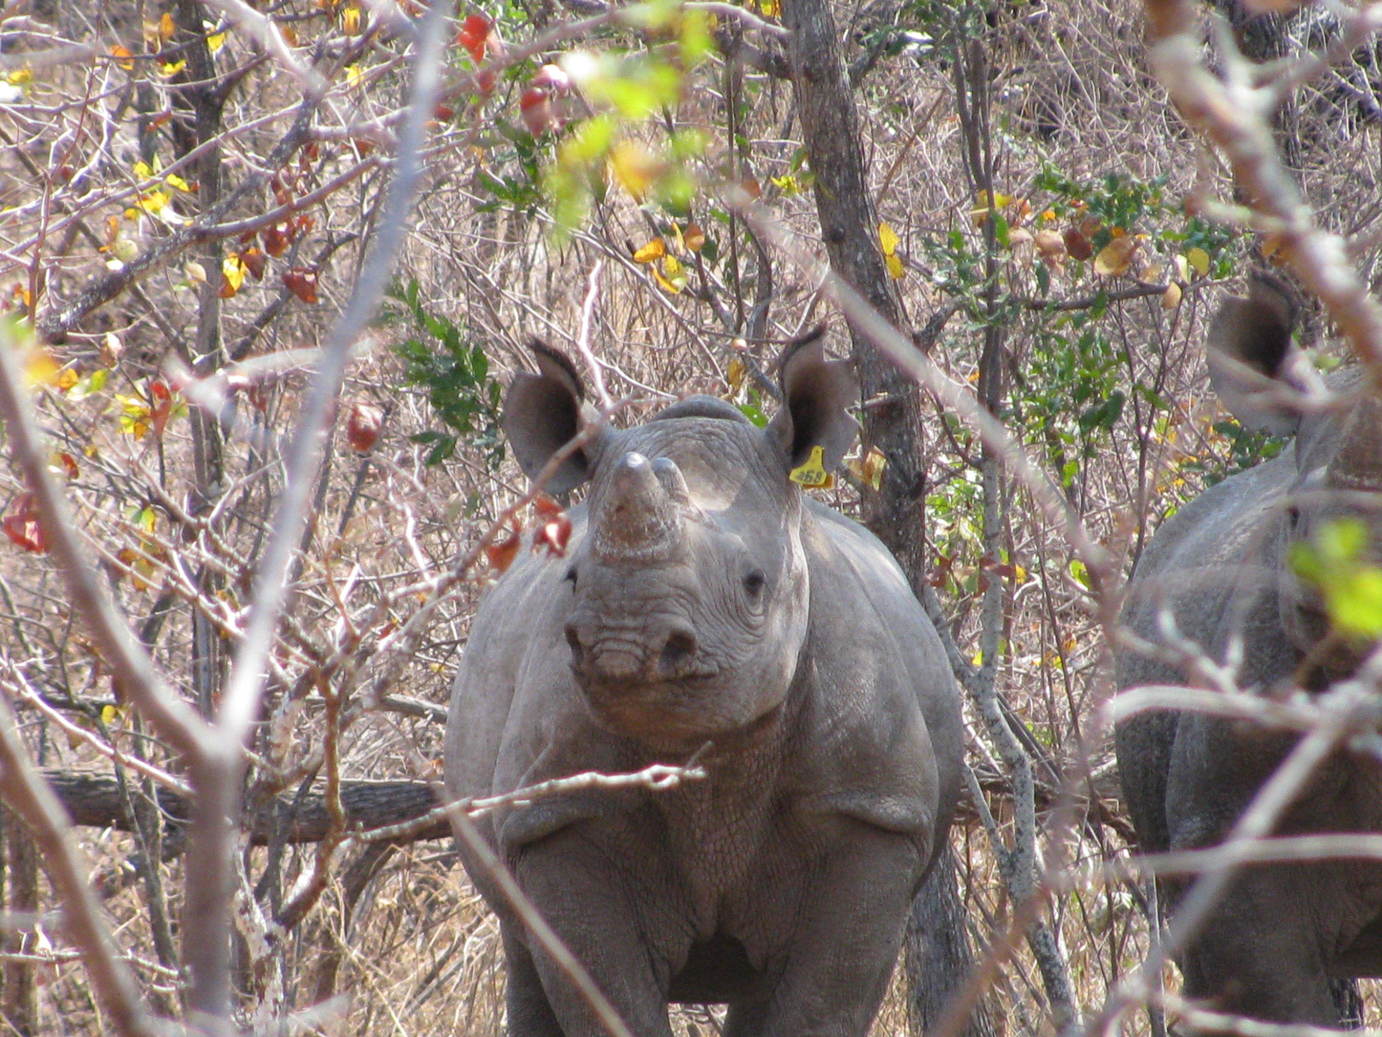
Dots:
(680, 708)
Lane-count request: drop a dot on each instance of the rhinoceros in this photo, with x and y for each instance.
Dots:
(1284, 937)
(705, 607)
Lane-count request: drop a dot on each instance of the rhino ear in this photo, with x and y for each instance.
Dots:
(542, 413)
(816, 395)
(1254, 365)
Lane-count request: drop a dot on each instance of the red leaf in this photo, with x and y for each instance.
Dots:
(474, 32)
(254, 261)
(363, 425)
(501, 555)
(302, 282)
(554, 536)
(276, 239)
(1077, 244)
(162, 401)
(22, 527)
(535, 106)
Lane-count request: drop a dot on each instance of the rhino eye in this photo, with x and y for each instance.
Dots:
(754, 582)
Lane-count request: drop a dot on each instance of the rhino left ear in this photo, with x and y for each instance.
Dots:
(816, 396)
(1254, 366)
(542, 413)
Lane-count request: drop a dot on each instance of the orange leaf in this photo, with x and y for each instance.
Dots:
(502, 554)
(546, 507)
(655, 249)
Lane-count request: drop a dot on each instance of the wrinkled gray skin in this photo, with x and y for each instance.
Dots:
(1219, 568)
(704, 599)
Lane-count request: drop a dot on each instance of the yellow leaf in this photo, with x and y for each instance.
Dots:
(634, 166)
(736, 373)
(1198, 259)
(216, 41)
(1182, 269)
(671, 278)
(195, 272)
(887, 237)
(112, 714)
(66, 379)
(655, 249)
(122, 57)
(20, 76)
(1115, 258)
(173, 180)
(894, 264)
(694, 237)
(40, 369)
(354, 75)
(142, 170)
(166, 28)
(350, 20)
(234, 270)
(1170, 298)
(811, 473)
(869, 468)
(171, 68)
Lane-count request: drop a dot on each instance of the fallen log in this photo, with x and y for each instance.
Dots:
(96, 800)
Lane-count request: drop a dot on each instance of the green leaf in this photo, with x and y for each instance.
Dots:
(1355, 604)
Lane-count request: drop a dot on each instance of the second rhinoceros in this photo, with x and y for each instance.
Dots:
(705, 601)
(1223, 579)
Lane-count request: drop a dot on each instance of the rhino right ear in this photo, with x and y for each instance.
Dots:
(816, 396)
(545, 411)
(1254, 366)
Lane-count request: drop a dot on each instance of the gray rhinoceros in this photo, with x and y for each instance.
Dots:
(704, 599)
(1278, 943)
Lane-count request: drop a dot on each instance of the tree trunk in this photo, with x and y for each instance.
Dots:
(19, 1000)
(939, 954)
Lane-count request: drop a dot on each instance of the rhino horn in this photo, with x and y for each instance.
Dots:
(640, 519)
(1358, 464)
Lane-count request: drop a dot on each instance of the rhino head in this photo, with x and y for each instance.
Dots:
(688, 591)
(1268, 383)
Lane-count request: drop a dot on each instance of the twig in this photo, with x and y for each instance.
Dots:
(656, 778)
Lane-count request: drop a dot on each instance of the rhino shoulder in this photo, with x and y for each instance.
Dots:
(510, 657)
(880, 707)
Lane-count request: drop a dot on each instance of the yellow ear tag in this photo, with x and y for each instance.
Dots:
(811, 473)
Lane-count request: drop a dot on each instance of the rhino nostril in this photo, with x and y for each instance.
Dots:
(677, 650)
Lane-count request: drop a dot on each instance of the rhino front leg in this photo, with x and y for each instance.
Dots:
(1261, 952)
(530, 1013)
(590, 899)
(844, 941)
